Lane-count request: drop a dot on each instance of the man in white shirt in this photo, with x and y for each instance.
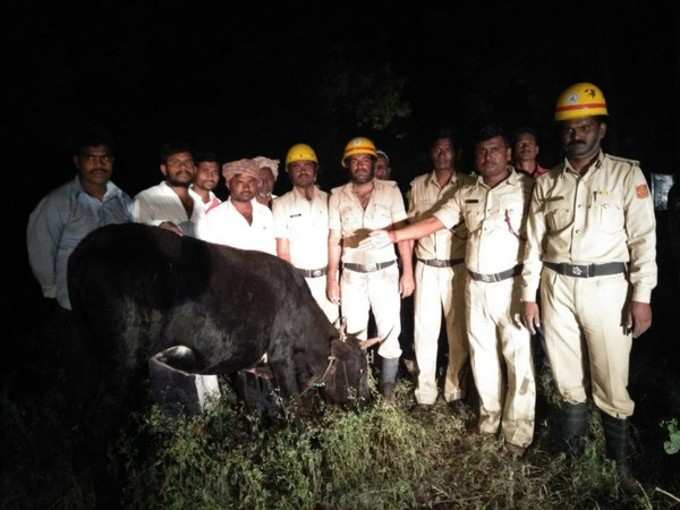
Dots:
(241, 221)
(301, 224)
(206, 180)
(171, 204)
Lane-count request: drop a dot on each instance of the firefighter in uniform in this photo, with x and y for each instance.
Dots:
(494, 211)
(591, 246)
(370, 277)
(440, 277)
(301, 224)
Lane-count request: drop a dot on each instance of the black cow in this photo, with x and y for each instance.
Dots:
(137, 290)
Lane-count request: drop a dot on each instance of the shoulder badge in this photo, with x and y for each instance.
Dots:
(641, 191)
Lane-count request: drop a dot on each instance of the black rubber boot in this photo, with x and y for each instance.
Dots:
(390, 366)
(616, 434)
(574, 428)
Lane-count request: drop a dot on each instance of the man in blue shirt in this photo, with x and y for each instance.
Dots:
(67, 214)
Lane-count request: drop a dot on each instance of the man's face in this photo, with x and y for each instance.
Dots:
(267, 177)
(382, 168)
(207, 175)
(94, 164)
(302, 173)
(526, 148)
(442, 154)
(179, 169)
(242, 187)
(361, 168)
(492, 157)
(581, 138)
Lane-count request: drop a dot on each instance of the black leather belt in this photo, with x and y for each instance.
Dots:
(367, 268)
(312, 273)
(588, 270)
(441, 263)
(496, 277)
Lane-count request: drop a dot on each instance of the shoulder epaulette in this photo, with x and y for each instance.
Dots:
(631, 162)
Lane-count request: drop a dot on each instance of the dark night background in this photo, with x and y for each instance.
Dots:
(250, 79)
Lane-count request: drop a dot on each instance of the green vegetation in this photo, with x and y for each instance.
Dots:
(373, 457)
(672, 446)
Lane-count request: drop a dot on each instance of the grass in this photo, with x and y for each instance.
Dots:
(372, 457)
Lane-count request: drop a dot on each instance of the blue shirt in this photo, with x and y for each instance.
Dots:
(59, 222)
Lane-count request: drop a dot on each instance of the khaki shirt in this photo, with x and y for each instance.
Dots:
(495, 219)
(425, 197)
(606, 215)
(304, 224)
(346, 216)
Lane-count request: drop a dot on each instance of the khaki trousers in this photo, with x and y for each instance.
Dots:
(317, 287)
(437, 290)
(497, 338)
(379, 291)
(582, 319)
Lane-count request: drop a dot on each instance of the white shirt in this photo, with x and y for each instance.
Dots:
(213, 200)
(225, 225)
(160, 203)
(304, 223)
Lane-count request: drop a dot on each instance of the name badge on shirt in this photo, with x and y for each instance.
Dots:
(552, 199)
(296, 215)
(472, 201)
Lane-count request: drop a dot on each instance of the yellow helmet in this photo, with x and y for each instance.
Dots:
(580, 100)
(301, 152)
(358, 145)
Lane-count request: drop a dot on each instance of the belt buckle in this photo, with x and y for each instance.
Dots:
(576, 271)
(316, 273)
(487, 278)
(371, 267)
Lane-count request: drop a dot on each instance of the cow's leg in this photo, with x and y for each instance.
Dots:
(282, 362)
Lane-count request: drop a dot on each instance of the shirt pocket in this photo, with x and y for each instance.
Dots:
(512, 212)
(381, 217)
(607, 210)
(558, 214)
(350, 220)
(474, 216)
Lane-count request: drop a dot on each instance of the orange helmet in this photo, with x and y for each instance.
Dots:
(580, 100)
(358, 145)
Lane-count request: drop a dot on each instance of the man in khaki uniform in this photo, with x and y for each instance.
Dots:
(301, 224)
(370, 278)
(439, 276)
(591, 244)
(494, 211)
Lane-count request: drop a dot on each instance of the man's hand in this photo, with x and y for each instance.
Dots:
(531, 316)
(406, 285)
(168, 225)
(376, 240)
(333, 290)
(639, 318)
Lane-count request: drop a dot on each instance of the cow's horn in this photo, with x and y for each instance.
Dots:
(365, 344)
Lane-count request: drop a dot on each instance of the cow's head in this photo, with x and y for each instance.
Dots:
(346, 379)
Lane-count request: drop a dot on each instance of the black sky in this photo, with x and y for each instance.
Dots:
(256, 79)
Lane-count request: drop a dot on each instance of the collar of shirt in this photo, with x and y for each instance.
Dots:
(568, 168)
(194, 194)
(511, 179)
(432, 180)
(112, 191)
(298, 195)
